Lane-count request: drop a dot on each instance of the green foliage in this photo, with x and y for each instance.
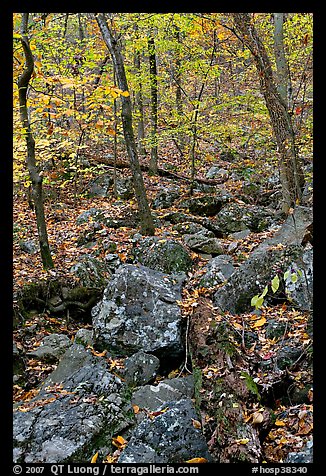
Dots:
(257, 301)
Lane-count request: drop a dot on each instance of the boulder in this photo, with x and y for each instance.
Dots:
(139, 311)
(292, 231)
(299, 281)
(124, 187)
(219, 270)
(29, 246)
(165, 198)
(235, 217)
(93, 214)
(190, 228)
(216, 172)
(99, 187)
(19, 365)
(140, 368)
(162, 254)
(204, 244)
(51, 348)
(91, 271)
(207, 205)
(252, 277)
(171, 437)
(76, 413)
(301, 457)
(152, 397)
(84, 337)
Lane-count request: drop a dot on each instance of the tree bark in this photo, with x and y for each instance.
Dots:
(139, 102)
(283, 72)
(36, 179)
(153, 120)
(146, 219)
(291, 174)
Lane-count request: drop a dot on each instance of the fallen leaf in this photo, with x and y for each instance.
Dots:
(94, 458)
(196, 423)
(119, 441)
(280, 423)
(257, 418)
(136, 409)
(196, 460)
(243, 441)
(260, 322)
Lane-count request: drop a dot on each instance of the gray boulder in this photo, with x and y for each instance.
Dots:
(299, 281)
(76, 413)
(219, 270)
(100, 186)
(140, 368)
(51, 348)
(252, 277)
(19, 365)
(124, 187)
(170, 437)
(216, 172)
(204, 244)
(29, 246)
(152, 397)
(292, 230)
(166, 198)
(190, 228)
(305, 456)
(139, 311)
(84, 337)
(91, 271)
(207, 205)
(94, 214)
(235, 217)
(162, 254)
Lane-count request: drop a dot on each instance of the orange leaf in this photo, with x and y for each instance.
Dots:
(94, 458)
(119, 441)
(196, 460)
(280, 423)
(260, 322)
(136, 409)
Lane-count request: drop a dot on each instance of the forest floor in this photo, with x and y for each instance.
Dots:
(293, 425)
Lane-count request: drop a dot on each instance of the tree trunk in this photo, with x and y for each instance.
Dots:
(36, 179)
(146, 219)
(139, 102)
(153, 120)
(282, 67)
(291, 174)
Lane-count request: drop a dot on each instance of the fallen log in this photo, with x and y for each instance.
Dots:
(109, 161)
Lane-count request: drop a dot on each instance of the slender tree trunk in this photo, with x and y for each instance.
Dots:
(283, 72)
(178, 92)
(195, 120)
(139, 102)
(36, 179)
(146, 219)
(153, 118)
(291, 175)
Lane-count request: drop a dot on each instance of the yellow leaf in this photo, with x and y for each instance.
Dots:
(260, 322)
(243, 441)
(125, 93)
(196, 423)
(119, 441)
(94, 458)
(196, 460)
(280, 423)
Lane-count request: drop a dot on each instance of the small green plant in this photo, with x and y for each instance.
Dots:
(289, 276)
